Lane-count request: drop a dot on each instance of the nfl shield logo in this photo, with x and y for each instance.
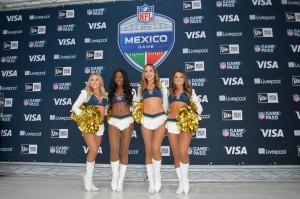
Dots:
(55, 86)
(52, 149)
(145, 13)
(225, 132)
(186, 20)
(26, 102)
(296, 97)
(223, 65)
(89, 12)
(261, 115)
(290, 32)
(219, 4)
(257, 48)
(31, 44)
(59, 28)
(190, 151)
(146, 38)
(3, 59)
(87, 70)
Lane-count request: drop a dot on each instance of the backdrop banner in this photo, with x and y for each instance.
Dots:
(241, 57)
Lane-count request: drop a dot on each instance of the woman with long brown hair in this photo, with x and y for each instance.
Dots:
(181, 94)
(152, 93)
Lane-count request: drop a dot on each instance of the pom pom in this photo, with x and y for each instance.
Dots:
(188, 118)
(90, 119)
(138, 112)
(168, 111)
(108, 113)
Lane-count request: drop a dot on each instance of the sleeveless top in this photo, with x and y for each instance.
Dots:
(121, 98)
(93, 100)
(154, 93)
(183, 97)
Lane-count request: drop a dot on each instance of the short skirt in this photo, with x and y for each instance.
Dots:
(101, 130)
(171, 126)
(121, 122)
(152, 122)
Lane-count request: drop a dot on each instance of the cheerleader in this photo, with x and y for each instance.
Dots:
(181, 95)
(154, 99)
(120, 128)
(93, 94)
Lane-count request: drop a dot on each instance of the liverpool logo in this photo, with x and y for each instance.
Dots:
(146, 37)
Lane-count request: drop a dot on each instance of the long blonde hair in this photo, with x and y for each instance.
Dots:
(89, 89)
(144, 81)
(186, 85)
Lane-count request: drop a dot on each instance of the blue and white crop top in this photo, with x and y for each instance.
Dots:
(154, 93)
(116, 98)
(93, 100)
(183, 97)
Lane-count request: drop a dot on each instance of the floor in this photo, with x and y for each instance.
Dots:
(61, 187)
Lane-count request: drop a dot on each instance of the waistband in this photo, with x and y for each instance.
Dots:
(172, 120)
(121, 117)
(154, 115)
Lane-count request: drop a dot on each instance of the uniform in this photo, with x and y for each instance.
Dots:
(89, 100)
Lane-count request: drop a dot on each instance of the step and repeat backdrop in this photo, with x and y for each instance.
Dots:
(242, 59)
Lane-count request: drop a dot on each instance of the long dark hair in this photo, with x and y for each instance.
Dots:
(126, 86)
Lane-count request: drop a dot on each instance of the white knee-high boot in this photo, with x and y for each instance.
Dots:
(157, 176)
(179, 189)
(123, 169)
(115, 174)
(149, 168)
(185, 179)
(88, 177)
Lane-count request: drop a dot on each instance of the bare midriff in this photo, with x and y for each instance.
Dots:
(120, 109)
(153, 105)
(174, 108)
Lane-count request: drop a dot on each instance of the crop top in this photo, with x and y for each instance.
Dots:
(93, 100)
(116, 98)
(183, 97)
(154, 93)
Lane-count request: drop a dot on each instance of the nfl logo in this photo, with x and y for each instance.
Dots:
(290, 32)
(26, 102)
(52, 149)
(223, 65)
(162, 27)
(219, 4)
(186, 20)
(145, 13)
(261, 115)
(225, 132)
(59, 28)
(3, 59)
(257, 48)
(296, 97)
(55, 86)
(89, 12)
(30, 44)
(87, 70)
(190, 151)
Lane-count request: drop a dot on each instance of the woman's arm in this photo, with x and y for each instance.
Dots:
(165, 96)
(195, 99)
(80, 100)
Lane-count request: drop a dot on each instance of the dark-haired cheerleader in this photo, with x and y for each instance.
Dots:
(120, 99)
